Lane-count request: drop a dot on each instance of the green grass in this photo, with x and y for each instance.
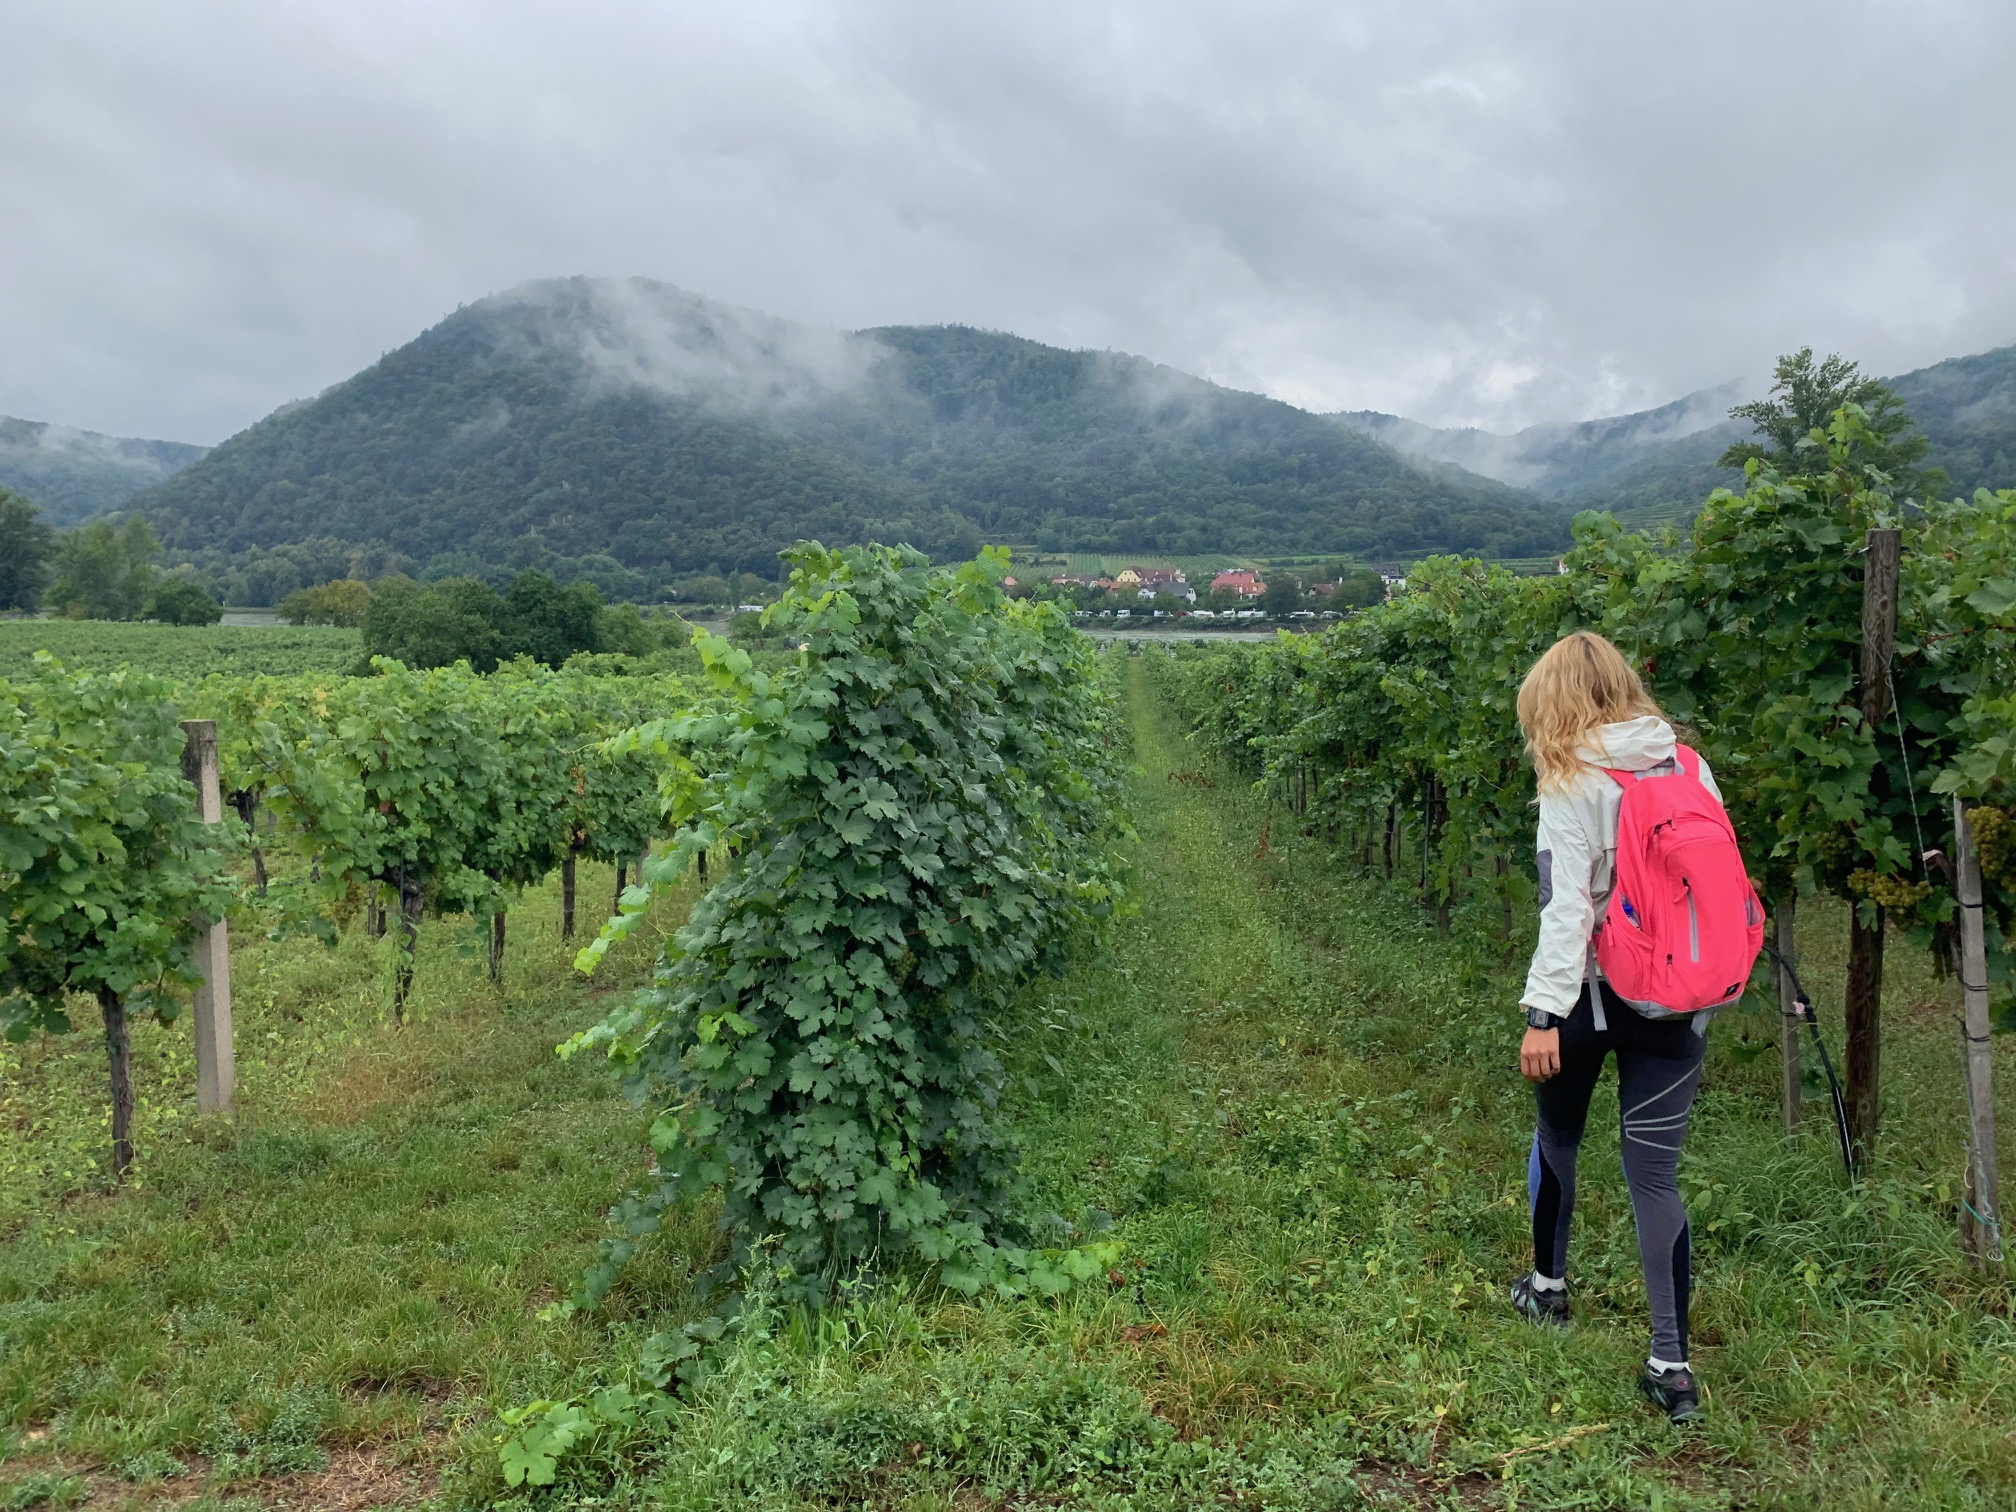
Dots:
(1294, 1106)
(350, 1269)
(179, 651)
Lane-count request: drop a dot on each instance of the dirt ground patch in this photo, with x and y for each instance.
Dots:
(360, 1478)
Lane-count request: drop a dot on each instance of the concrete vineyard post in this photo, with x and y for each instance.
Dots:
(216, 1055)
(1863, 1003)
(1980, 1228)
(1783, 924)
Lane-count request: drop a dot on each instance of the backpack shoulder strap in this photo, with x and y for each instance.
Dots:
(1682, 757)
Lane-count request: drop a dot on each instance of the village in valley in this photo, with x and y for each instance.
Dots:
(1231, 595)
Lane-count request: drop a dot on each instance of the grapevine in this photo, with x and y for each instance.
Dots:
(918, 810)
(106, 868)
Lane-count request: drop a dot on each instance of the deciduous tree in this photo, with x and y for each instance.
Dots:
(26, 545)
(1804, 396)
(182, 601)
(105, 571)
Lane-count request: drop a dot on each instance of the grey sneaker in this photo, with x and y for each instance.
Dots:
(1673, 1392)
(1550, 1307)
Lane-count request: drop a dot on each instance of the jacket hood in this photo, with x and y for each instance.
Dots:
(1630, 745)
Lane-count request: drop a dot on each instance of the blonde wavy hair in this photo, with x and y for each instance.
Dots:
(1582, 681)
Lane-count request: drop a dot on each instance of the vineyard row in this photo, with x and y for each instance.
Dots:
(391, 797)
(915, 808)
(1846, 663)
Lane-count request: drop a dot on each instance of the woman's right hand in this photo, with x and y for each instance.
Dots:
(1540, 1054)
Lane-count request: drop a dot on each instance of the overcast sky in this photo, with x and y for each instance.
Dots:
(1486, 212)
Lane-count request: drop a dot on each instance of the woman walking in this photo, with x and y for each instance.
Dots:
(1594, 735)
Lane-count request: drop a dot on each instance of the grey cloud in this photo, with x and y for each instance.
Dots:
(1464, 212)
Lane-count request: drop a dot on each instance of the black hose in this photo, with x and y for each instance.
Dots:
(1802, 1006)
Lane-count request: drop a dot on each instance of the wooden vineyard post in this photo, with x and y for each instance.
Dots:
(567, 894)
(119, 1059)
(1783, 924)
(412, 902)
(216, 1056)
(1981, 1219)
(1863, 1005)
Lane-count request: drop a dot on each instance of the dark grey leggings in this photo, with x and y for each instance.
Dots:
(1658, 1071)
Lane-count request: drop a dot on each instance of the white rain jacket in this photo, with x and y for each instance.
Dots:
(1577, 857)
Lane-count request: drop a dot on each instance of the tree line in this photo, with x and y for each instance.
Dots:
(101, 570)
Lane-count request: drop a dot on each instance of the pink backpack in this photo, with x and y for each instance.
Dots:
(1683, 927)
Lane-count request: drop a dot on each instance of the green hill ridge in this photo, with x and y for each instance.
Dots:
(1663, 461)
(627, 419)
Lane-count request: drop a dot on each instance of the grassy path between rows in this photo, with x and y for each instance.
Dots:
(1293, 1107)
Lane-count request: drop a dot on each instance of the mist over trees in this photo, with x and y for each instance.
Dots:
(625, 428)
(1967, 408)
(1666, 460)
(73, 475)
(627, 436)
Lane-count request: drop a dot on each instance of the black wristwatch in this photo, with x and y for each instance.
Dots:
(1540, 1018)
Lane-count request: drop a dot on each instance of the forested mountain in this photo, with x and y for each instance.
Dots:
(1664, 458)
(1967, 408)
(1558, 458)
(74, 474)
(624, 418)
(1650, 460)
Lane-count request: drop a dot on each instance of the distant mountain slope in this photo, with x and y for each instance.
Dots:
(1967, 408)
(1667, 479)
(74, 474)
(1644, 461)
(628, 418)
(1559, 458)
(1662, 461)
